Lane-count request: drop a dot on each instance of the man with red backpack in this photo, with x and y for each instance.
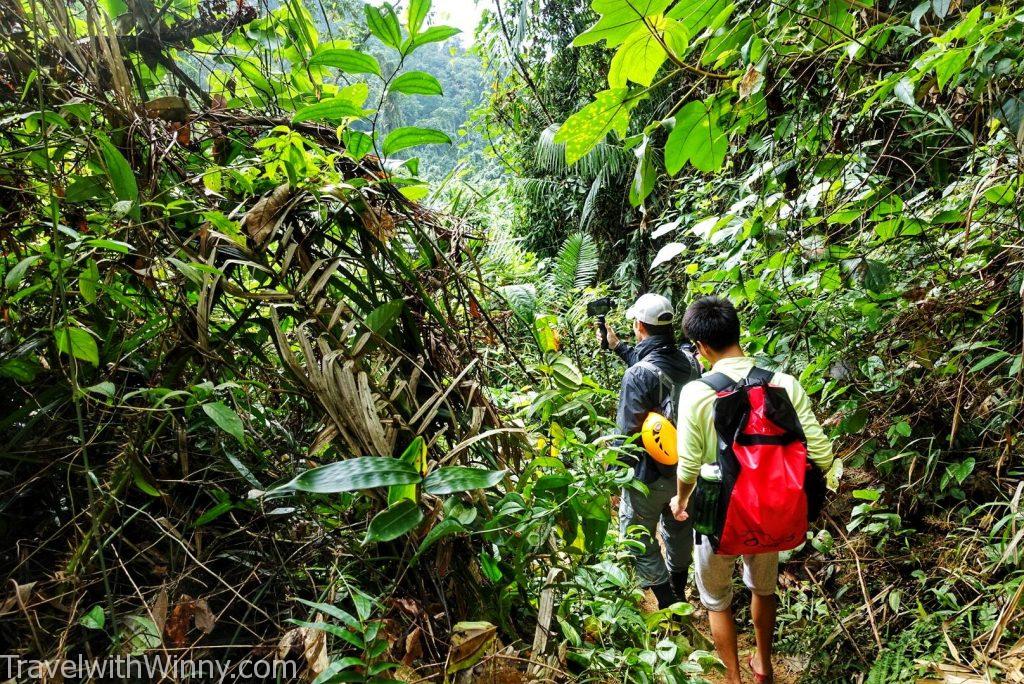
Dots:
(752, 458)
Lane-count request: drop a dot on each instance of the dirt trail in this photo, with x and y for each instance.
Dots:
(786, 671)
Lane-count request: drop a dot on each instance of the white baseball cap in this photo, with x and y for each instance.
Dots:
(652, 309)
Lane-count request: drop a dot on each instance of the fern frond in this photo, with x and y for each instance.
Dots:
(577, 263)
(522, 299)
(604, 158)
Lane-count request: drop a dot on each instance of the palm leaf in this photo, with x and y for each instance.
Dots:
(576, 264)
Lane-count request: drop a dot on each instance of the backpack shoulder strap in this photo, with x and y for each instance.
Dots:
(719, 382)
(760, 375)
(662, 377)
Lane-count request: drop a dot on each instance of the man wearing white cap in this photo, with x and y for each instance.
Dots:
(656, 368)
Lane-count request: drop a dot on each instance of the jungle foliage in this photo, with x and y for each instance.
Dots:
(295, 362)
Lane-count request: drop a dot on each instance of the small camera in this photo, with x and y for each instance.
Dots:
(600, 307)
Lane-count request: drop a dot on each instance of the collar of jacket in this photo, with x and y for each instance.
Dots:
(653, 343)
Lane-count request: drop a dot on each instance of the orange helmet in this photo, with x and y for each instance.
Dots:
(659, 438)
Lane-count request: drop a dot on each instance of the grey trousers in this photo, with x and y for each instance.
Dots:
(677, 537)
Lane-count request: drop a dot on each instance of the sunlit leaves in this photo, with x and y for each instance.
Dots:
(454, 479)
(582, 131)
(642, 53)
(412, 136)
(415, 14)
(416, 83)
(434, 34)
(357, 143)
(696, 138)
(700, 14)
(349, 61)
(332, 109)
(619, 18)
(383, 23)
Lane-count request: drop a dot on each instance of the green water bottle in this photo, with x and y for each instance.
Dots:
(709, 487)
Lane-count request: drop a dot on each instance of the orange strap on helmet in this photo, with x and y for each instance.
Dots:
(659, 438)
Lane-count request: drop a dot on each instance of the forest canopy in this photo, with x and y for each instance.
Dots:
(296, 363)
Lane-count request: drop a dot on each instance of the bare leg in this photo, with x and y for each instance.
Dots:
(723, 631)
(762, 612)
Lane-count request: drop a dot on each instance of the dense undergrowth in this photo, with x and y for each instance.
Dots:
(270, 392)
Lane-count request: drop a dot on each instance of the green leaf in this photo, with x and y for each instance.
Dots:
(434, 34)
(415, 14)
(78, 342)
(641, 54)
(226, 419)
(94, 619)
(383, 23)
(619, 18)
(89, 282)
(686, 120)
(416, 83)
(349, 61)
(383, 318)
(582, 131)
(696, 138)
(21, 370)
(15, 275)
(415, 455)
(697, 15)
(645, 176)
(394, 521)
(460, 479)
(708, 145)
(122, 178)
(332, 109)
(445, 528)
(411, 136)
(364, 472)
(357, 143)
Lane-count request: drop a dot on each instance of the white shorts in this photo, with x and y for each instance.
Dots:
(714, 575)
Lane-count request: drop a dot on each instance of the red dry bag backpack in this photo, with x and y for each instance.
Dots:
(769, 489)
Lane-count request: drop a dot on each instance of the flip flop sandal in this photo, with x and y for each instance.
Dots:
(758, 677)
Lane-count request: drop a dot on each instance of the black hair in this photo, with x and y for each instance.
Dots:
(663, 330)
(712, 321)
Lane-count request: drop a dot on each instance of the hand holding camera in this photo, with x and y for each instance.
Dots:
(600, 308)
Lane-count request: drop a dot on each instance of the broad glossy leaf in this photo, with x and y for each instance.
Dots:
(383, 318)
(619, 18)
(364, 472)
(460, 479)
(416, 455)
(77, 342)
(434, 34)
(14, 276)
(445, 528)
(641, 54)
(667, 253)
(582, 131)
(415, 14)
(226, 419)
(330, 109)
(412, 136)
(122, 178)
(349, 61)
(416, 83)
(357, 143)
(700, 14)
(708, 145)
(394, 521)
(383, 23)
